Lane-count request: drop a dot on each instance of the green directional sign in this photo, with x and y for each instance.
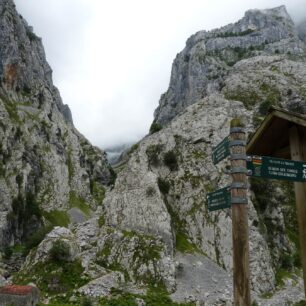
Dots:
(219, 199)
(221, 151)
(277, 168)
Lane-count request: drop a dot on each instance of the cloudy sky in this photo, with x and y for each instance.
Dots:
(112, 59)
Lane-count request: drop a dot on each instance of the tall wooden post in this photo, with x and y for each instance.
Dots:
(298, 153)
(240, 229)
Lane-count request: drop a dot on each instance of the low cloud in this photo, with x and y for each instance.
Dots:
(112, 59)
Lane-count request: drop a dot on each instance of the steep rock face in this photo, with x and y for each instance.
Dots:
(179, 189)
(156, 213)
(201, 68)
(46, 166)
(170, 172)
(302, 30)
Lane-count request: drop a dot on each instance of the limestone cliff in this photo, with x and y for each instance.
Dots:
(153, 231)
(49, 173)
(201, 68)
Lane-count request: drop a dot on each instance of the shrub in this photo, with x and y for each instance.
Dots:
(113, 176)
(19, 180)
(170, 160)
(150, 191)
(8, 252)
(133, 148)
(101, 221)
(155, 127)
(32, 36)
(36, 238)
(86, 302)
(163, 185)
(60, 251)
(264, 107)
(153, 152)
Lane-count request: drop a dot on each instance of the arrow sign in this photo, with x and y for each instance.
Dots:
(219, 199)
(277, 168)
(221, 151)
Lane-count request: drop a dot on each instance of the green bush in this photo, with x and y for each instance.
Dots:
(36, 238)
(170, 160)
(300, 303)
(8, 252)
(86, 302)
(60, 251)
(155, 127)
(113, 176)
(32, 36)
(133, 148)
(153, 152)
(163, 185)
(101, 221)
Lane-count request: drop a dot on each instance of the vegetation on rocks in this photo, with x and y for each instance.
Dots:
(156, 296)
(153, 152)
(155, 127)
(170, 160)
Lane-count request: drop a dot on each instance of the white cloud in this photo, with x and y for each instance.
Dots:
(112, 59)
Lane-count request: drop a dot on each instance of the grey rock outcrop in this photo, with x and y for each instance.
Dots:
(201, 68)
(46, 166)
(302, 30)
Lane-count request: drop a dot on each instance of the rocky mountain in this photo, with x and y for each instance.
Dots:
(49, 173)
(151, 239)
(208, 58)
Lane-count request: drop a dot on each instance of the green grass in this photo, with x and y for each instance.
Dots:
(182, 243)
(53, 277)
(97, 191)
(267, 295)
(101, 221)
(280, 275)
(300, 303)
(156, 296)
(78, 202)
(57, 217)
(11, 108)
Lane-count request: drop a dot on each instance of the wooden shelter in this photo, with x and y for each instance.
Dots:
(272, 137)
(282, 134)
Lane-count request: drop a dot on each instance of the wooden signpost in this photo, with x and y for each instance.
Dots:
(278, 151)
(235, 197)
(240, 228)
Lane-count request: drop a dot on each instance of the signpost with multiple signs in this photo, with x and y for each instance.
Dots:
(282, 134)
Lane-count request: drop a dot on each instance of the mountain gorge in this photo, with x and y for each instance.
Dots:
(146, 237)
(50, 174)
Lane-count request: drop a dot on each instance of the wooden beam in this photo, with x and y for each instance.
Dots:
(298, 153)
(291, 117)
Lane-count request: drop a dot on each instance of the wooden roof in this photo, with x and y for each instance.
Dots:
(272, 137)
